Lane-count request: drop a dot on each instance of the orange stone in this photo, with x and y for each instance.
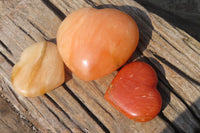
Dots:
(95, 42)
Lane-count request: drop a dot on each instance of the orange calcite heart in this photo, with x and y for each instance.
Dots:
(95, 42)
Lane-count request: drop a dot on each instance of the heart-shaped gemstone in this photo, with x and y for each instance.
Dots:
(133, 92)
(96, 42)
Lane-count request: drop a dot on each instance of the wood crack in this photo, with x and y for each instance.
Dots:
(172, 90)
(60, 108)
(105, 110)
(185, 56)
(15, 95)
(66, 3)
(36, 109)
(91, 3)
(184, 102)
(8, 60)
(36, 27)
(193, 49)
(53, 8)
(187, 77)
(6, 48)
(168, 42)
(22, 29)
(96, 85)
(56, 117)
(103, 127)
(164, 82)
(188, 41)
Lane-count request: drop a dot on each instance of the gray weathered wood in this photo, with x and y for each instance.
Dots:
(79, 106)
(11, 121)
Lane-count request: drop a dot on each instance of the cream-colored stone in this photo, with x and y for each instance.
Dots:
(39, 70)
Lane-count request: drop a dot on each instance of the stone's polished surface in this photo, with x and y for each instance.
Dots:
(133, 92)
(39, 70)
(96, 42)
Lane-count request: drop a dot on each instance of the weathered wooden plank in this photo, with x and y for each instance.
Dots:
(179, 49)
(47, 115)
(182, 75)
(12, 121)
(79, 106)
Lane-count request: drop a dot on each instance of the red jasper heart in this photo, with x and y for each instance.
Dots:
(133, 92)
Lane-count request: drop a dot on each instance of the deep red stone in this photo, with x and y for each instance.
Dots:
(133, 92)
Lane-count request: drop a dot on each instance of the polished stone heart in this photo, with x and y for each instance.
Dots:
(96, 42)
(133, 92)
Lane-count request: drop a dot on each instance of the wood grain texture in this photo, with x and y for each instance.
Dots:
(11, 121)
(79, 106)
